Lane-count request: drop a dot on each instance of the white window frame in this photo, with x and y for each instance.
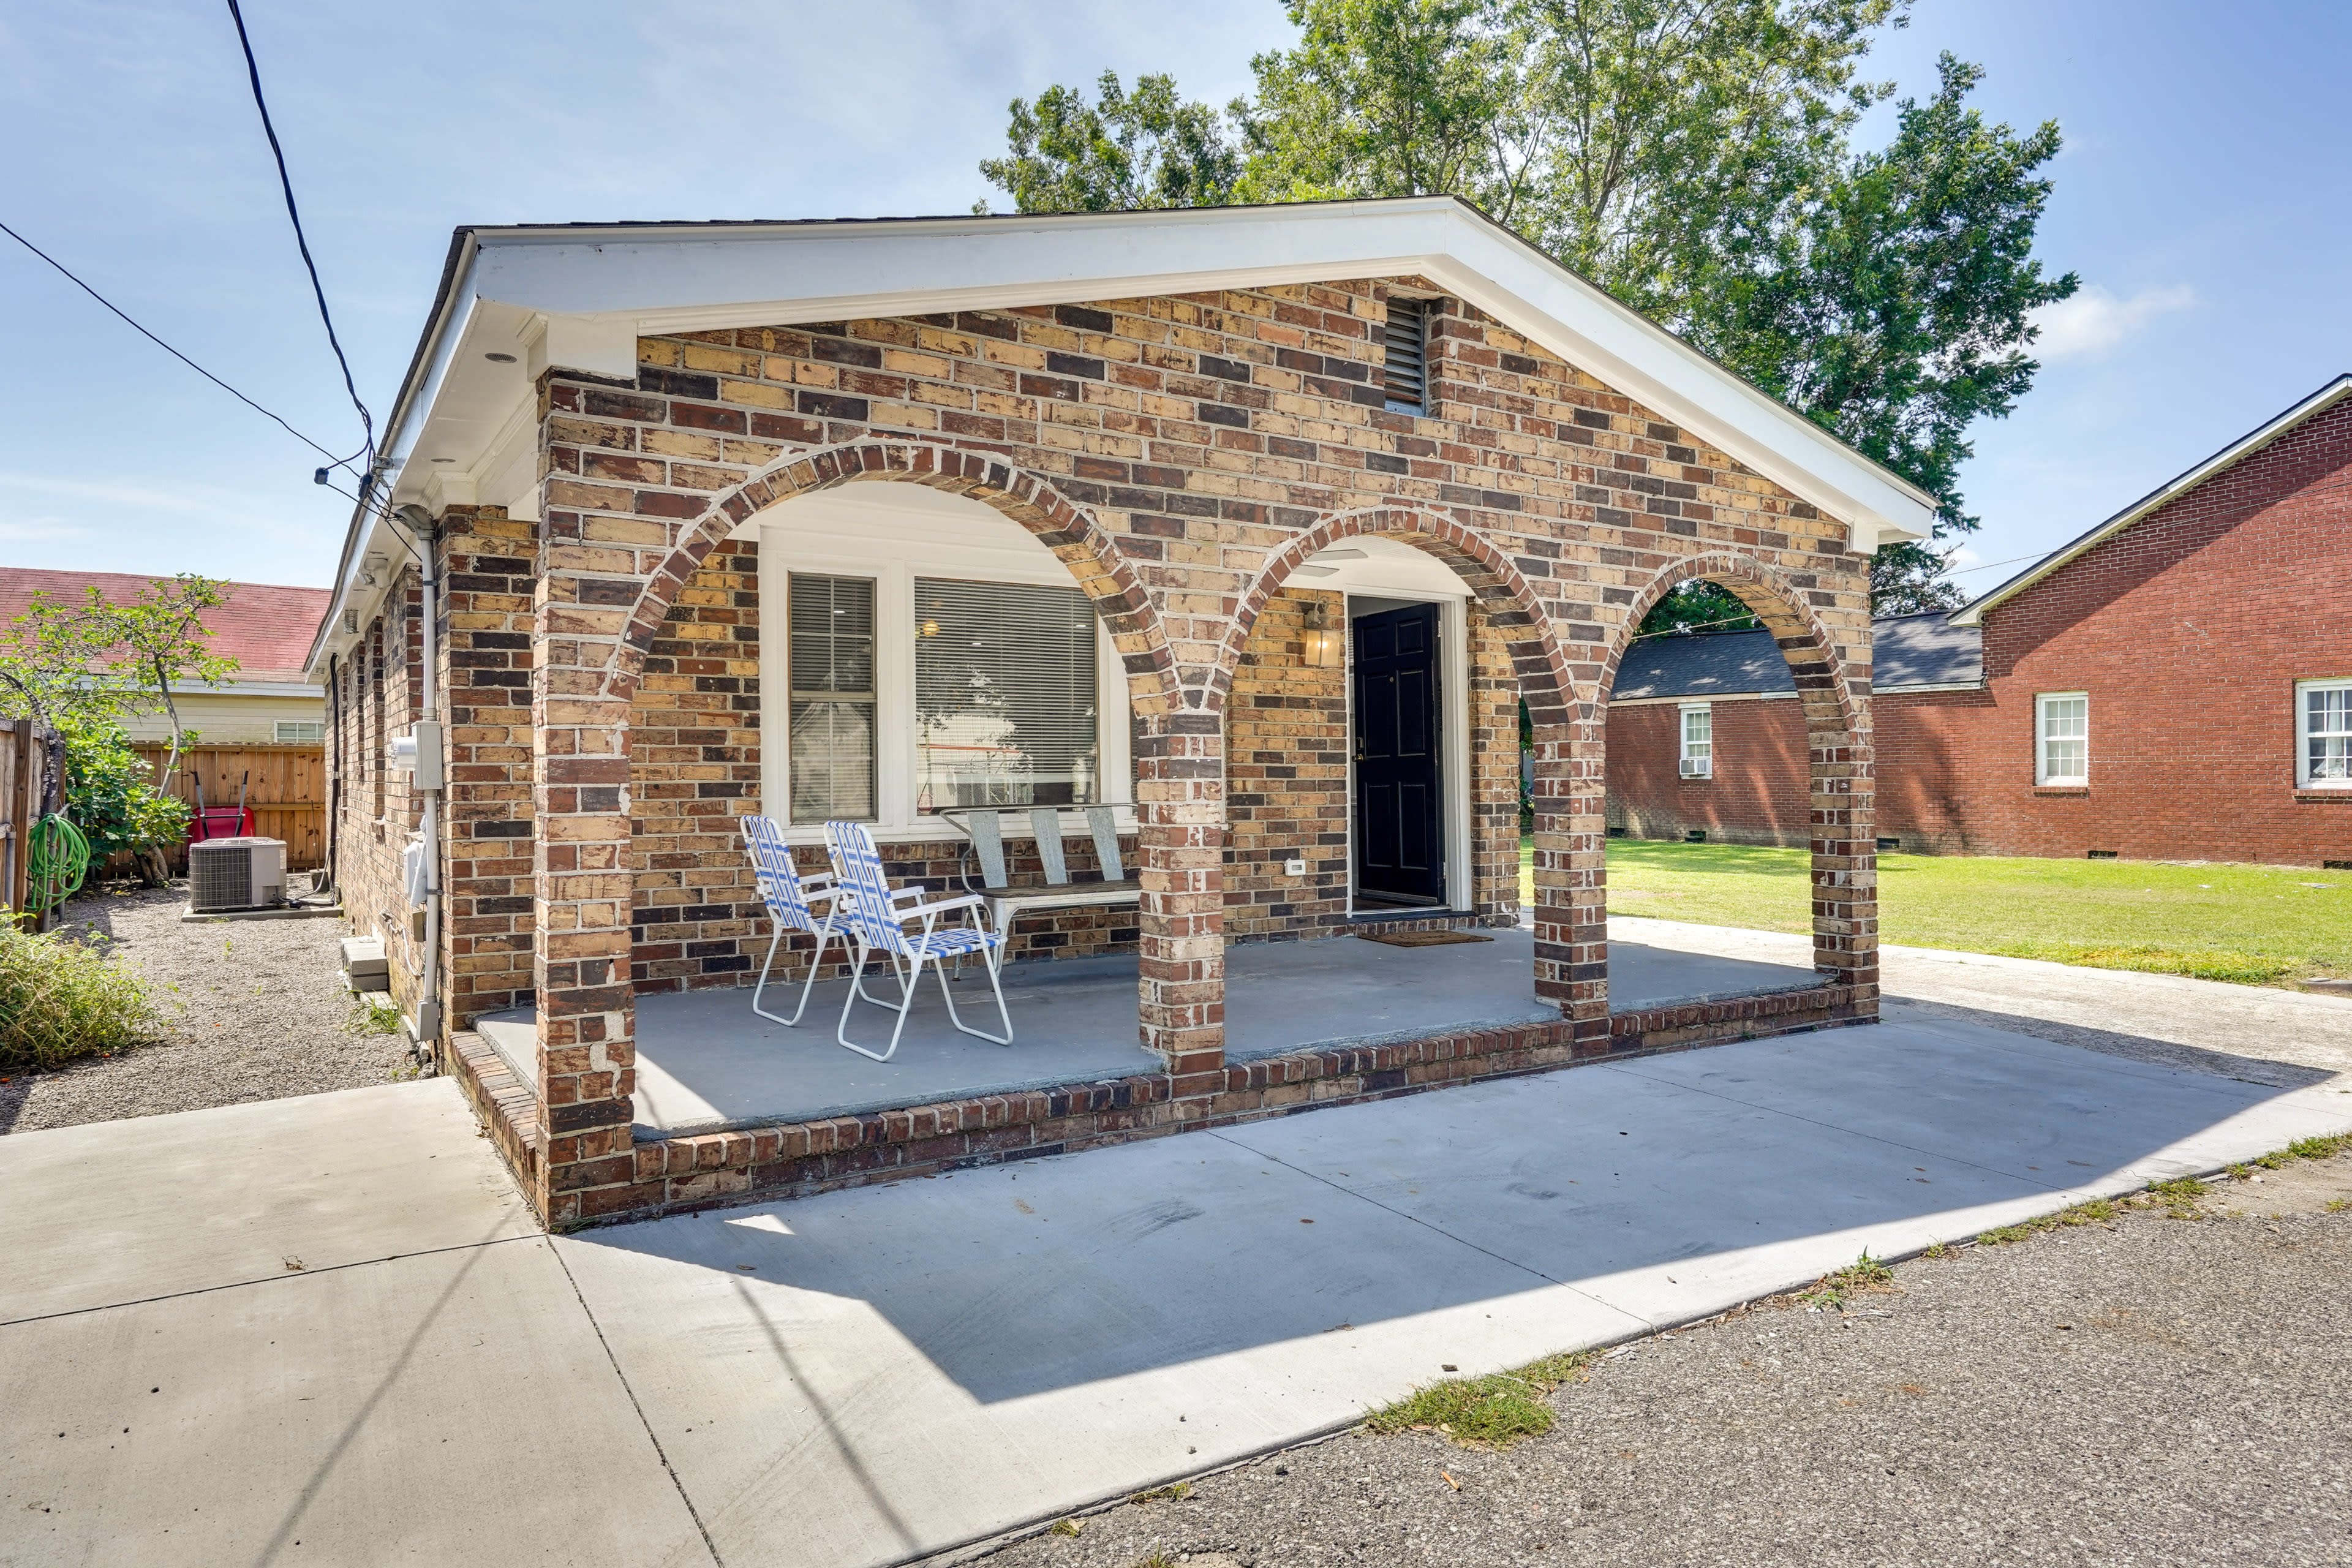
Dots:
(2043, 777)
(783, 552)
(1682, 710)
(2303, 779)
(278, 732)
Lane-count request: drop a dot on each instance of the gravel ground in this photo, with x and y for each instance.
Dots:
(259, 1011)
(2157, 1391)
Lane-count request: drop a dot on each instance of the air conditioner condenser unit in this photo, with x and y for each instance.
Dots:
(225, 874)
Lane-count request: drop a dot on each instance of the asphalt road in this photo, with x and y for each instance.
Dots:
(2157, 1392)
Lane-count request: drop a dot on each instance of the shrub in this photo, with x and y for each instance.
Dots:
(111, 791)
(60, 1000)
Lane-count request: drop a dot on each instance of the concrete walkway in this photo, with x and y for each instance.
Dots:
(2256, 1032)
(322, 1330)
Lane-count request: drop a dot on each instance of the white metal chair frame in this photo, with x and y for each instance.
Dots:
(792, 898)
(877, 921)
(1006, 901)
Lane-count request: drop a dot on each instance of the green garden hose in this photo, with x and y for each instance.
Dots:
(57, 859)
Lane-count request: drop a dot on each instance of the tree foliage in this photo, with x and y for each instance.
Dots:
(1698, 605)
(110, 790)
(1695, 157)
(91, 659)
(1124, 151)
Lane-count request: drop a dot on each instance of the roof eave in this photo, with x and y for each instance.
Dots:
(1973, 614)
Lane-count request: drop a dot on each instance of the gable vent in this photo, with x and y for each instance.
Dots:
(1407, 341)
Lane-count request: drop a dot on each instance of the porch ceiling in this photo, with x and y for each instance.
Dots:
(706, 1063)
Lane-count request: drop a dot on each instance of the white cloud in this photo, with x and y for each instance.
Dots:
(2094, 321)
(40, 530)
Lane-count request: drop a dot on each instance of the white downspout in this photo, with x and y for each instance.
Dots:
(431, 772)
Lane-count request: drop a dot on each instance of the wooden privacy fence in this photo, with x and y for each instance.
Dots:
(284, 785)
(20, 805)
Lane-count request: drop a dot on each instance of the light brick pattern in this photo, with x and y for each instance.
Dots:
(1181, 456)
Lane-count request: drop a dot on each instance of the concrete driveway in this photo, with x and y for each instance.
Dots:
(874, 1376)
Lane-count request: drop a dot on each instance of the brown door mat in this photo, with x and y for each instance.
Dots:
(1420, 938)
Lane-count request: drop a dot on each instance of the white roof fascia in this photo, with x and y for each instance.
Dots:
(673, 279)
(409, 418)
(2327, 398)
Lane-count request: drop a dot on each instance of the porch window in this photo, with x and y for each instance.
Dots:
(2323, 733)
(832, 653)
(2061, 721)
(1005, 696)
(1698, 742)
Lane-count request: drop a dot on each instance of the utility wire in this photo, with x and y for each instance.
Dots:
(286, 184)
(167, 348)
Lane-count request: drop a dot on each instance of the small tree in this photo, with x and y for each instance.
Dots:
(82, 666)
(90, 658)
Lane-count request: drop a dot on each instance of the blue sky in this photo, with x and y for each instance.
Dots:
(2202, 197)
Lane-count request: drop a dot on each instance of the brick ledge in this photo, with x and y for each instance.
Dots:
(673, 1175)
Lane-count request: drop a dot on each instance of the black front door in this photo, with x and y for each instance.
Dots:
(1400, 845)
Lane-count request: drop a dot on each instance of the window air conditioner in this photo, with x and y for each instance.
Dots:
(236, 874)
(1699, 767)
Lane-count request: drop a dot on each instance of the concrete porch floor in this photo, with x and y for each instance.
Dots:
(706, 1063)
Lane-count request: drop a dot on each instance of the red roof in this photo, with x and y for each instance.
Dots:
(266, 628)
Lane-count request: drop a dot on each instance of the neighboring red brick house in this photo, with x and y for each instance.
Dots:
(859, 520)
(2174, 684)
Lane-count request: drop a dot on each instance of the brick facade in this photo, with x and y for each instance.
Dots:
(1181, 456)
(1759, 794)
(2188, 630)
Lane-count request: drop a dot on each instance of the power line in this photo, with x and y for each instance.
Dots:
(167, 348)
(286, 184)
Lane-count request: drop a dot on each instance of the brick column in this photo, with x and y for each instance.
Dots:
(1571, 871)
(1845, 857)
(1180, 785)
(487, 559)
(581, 884)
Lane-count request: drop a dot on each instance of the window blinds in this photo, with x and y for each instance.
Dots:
(1005, 696)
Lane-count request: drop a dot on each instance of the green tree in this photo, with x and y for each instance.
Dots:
(91, 658)
(1893, 310)
(1692, 156)
(1698, 605)
(1144, 149)
(112, 796)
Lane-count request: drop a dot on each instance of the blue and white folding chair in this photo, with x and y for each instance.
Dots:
(791, 900)
(873, 916)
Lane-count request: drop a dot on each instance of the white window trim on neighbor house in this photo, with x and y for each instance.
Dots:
(1696, 752)
(892, 534)
(2042, 775)
(2304, 734)
(307, 732)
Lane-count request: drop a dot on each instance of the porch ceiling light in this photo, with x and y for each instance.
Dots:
(1325, 644)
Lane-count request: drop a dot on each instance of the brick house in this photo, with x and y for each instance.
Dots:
(1124, 474)
(2150, 689)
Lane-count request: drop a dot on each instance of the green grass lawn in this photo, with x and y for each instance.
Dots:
(2256, 924)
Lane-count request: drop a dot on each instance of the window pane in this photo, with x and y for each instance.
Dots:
(832, 702)
(2066, 743)
(2327, 734)
(1005, 696)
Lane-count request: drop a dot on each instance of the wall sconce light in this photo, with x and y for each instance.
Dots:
(1325, 644)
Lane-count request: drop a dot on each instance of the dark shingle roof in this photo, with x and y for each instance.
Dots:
(1910, 651)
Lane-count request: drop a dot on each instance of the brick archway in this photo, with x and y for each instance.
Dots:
(1026, 498)
(1840, 761)
(1570, 932)
(1803, 640)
